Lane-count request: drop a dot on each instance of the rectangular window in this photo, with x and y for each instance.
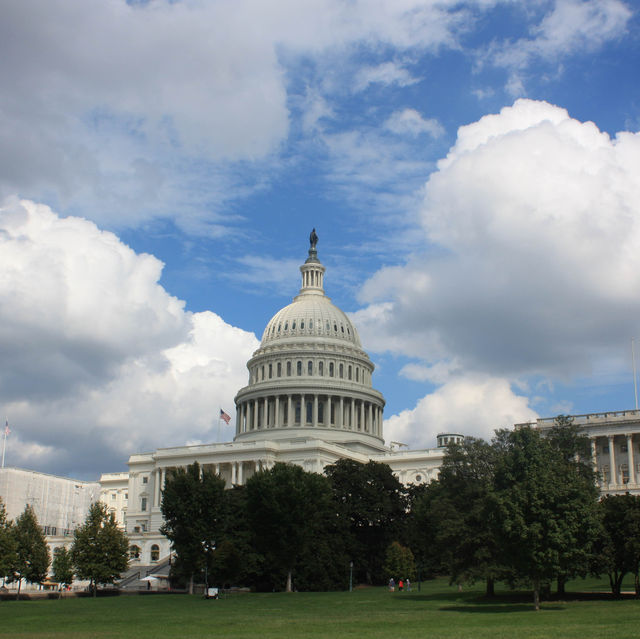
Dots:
(623, 448)
(143, 504)
(145, 480)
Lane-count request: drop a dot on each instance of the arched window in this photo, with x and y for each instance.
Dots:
(279, 369)
(297, 420)
(349, 371)
(321, 368)
(299, 368)
(309, 412)
(301, 325)
(330, 369)
(341, 371)
(270, 371)
(293, 325)
(262, 372)
(321, 412)
(134, 552)
(310, 324)
(155, 552)
(288, 369)
(309, 367)
(357, 374)
(286, 326)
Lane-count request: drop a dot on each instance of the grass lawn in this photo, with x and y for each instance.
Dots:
(438, 610)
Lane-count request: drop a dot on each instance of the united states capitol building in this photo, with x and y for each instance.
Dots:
(309, 401)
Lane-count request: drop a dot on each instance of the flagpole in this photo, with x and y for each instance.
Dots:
(635, 377)
(219, 418)
(4, 440)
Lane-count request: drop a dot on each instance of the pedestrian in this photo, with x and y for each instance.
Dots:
(400, 585)
(392, 585)
(408, 584)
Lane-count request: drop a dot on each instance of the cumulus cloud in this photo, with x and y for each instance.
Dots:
(533, 219)
(469, 405)
(99, 361)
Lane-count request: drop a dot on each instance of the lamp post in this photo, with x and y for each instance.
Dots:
(350, 576)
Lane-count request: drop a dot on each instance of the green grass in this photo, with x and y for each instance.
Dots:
(438, 611)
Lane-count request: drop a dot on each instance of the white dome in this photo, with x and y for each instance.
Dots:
(310, 315)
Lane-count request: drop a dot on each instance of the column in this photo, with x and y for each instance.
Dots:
(255, 414)
(233, 473)
(289, 419)
(240, 473)
(315, 410)
(276, 417)
(327, 419)
(594, 458)
(217, 469)
(370, 418)
(361, 415)
(353, 413)
(613, 475)
(340, 415)
(265, 412)
(632, 470)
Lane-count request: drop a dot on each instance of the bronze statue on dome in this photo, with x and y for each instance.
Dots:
(313, 239)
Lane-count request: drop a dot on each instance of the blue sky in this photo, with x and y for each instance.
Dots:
(471, 169)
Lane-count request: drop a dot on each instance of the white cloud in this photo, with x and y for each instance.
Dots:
(470, 405)
(386, 74)
(533, 224)
(99, 361)
(571, 27)
(410, 122)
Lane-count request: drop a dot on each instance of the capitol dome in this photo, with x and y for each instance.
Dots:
(311, 377)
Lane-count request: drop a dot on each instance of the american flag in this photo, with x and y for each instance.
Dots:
(224, 416)
(7, 430)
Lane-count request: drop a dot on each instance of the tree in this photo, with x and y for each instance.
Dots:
(372, 504)
(399, 562)
(8, 545)
(575, 472)
(62, 566)
(193, 508)
(33, 556)
(289, 509)
(465, 538)
(544, 508)
(618, 547)
(100, 550)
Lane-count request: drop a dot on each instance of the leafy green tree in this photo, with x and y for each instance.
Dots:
(399, 562)
(466, 537)
(544, 508)
(62, 566)
(372, 504)
(33, 556)
(575, 471)
(8, 545)
(100, 550)
(193, 508)
(618, 547)
(287, 508)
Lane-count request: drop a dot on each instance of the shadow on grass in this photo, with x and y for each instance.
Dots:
(506, 608)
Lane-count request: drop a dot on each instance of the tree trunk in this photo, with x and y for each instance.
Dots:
(95, 588)
(491, 589)
(19, 586)
(561, 582)
(636, 582)
(536, 594)
(288, 588)
(191, 584)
